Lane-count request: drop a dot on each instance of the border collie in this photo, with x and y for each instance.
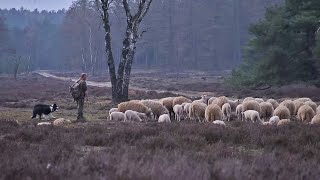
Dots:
(40, 109)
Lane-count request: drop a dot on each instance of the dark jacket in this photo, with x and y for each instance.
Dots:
(82, 88)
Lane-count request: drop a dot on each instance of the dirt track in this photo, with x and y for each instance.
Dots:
(108, 85)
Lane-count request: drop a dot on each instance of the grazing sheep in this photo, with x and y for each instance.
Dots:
(266, 110)
(297, 105)
(168, 103)
(305, 113)
(282, 112)
(239, 111)
(197, 110)
(251, 115)
(303, 99)
(186, 108)
(290, 105)
(315, 119)
(248, 99)
(259, 100)
(134, 116)
(204, 99)
(283, 122)
(156, 107)
(226, 111)
(117, 116)
(274, 103)
(213, 112)
(61, 122)
(234, 104)
(211, 100)
(180, 100)
(135, 106)
(274, 120)
(220, 101)
(164, 118)
(219, 122)
(318, 110)
(312, 104)
(113, 110)
(178, 111)
(251, 105)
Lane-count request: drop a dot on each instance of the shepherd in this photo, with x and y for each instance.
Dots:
(79, 92)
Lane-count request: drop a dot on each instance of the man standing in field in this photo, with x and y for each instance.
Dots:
(79, 93)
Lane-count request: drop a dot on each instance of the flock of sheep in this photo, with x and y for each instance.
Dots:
(218, 109)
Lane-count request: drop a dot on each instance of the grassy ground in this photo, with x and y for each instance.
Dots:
(115, 150)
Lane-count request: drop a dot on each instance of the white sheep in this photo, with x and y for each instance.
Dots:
(290, 105)
(134, 116)
(61, 122)
(180, 100)
(197, 110)
(234, 104)
(220, 101)
(117, 116)
(266, 110)
(213, 112)
(239, 111)
(305, 113)
(164, 118)
(219, 122)
(284, 122)
(297, 105)
(251, 105)
(204, 99)
(259, 100)
(315, 119)
(251, 115)
(312, 104)
(303, 99)
(274, 120)
(248, 99)
(282, 112)
(274, 103)
(226, 111)
(318, 110)
(178, 111)
(211, 100)
(135, 106)
(186, 108)
(113, 110)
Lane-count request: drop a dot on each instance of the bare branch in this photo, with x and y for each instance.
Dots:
(140, 9)
(127, 9)
(145, 11)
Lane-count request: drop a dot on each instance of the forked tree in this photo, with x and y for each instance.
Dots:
(120, 80)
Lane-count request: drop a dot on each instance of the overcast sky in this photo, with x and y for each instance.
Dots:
(32, 4)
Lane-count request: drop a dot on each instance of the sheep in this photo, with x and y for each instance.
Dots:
(61, 122)
(259, 100)
(282, 112)
(248, 99)
(156, 107)
(283, 122)
(186, 108)
(239, 111)
(168, 103)
(113, 110)
(251, 105)
(180, 100)
(297, 105)
(164, 118)
(197, 110)
(226, 111)
(204, 99)
(315, 119)
(131, 115)
(274, 120)
(213, 112)
(318, 110)
(135, 106)
(178, 111)
(251, 115)
(274, 103)
(117, 116)
(305, 113)
(290, 105)
(266, 110)
(234, 104)
(303, 99)
(312, 104)
(219, 122)
(220, 101)
(266, 124)
(211, 100)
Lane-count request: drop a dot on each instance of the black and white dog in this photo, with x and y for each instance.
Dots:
(42, 109)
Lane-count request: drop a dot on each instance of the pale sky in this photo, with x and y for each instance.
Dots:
(32, 4)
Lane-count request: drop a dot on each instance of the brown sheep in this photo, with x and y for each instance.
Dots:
(180, 100)
(297, 105)
(251, 105)
(312, 104)
(259, 100)
(220, 101)
(234, 104)
(156, 107)
(197, 110)
(168, 103)
(290, 105)
(135, 106)
(282, 112)
(303, 99)
(284, 122)
(274, 103)
(305, 113)
(213, 112)
(266, 110)
(315, 119)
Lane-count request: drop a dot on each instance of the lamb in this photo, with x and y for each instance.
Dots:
(186, 108)
(213, 112)
(220, 101)
(315, 119)
(303, 99)
(135, 106)
(61, 122)
(117, 116)
(274, 103)
(259, 100)
(156, 107)
(282, 112)
(283, 122)
(204, 99)
(197, 110)
(113, 110)
(219, 122)
(211, 100)
(178, 111)
(297, 105)
(180, 100)
(134, 116)
(251, 115)
(168, 103)
(305, 113)
(234, 104)
(266, 110)
(164, 118)
(251, 105)
(226, 111)
(290, 105)
(239, 111)
(312, 104)
(274, 120)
